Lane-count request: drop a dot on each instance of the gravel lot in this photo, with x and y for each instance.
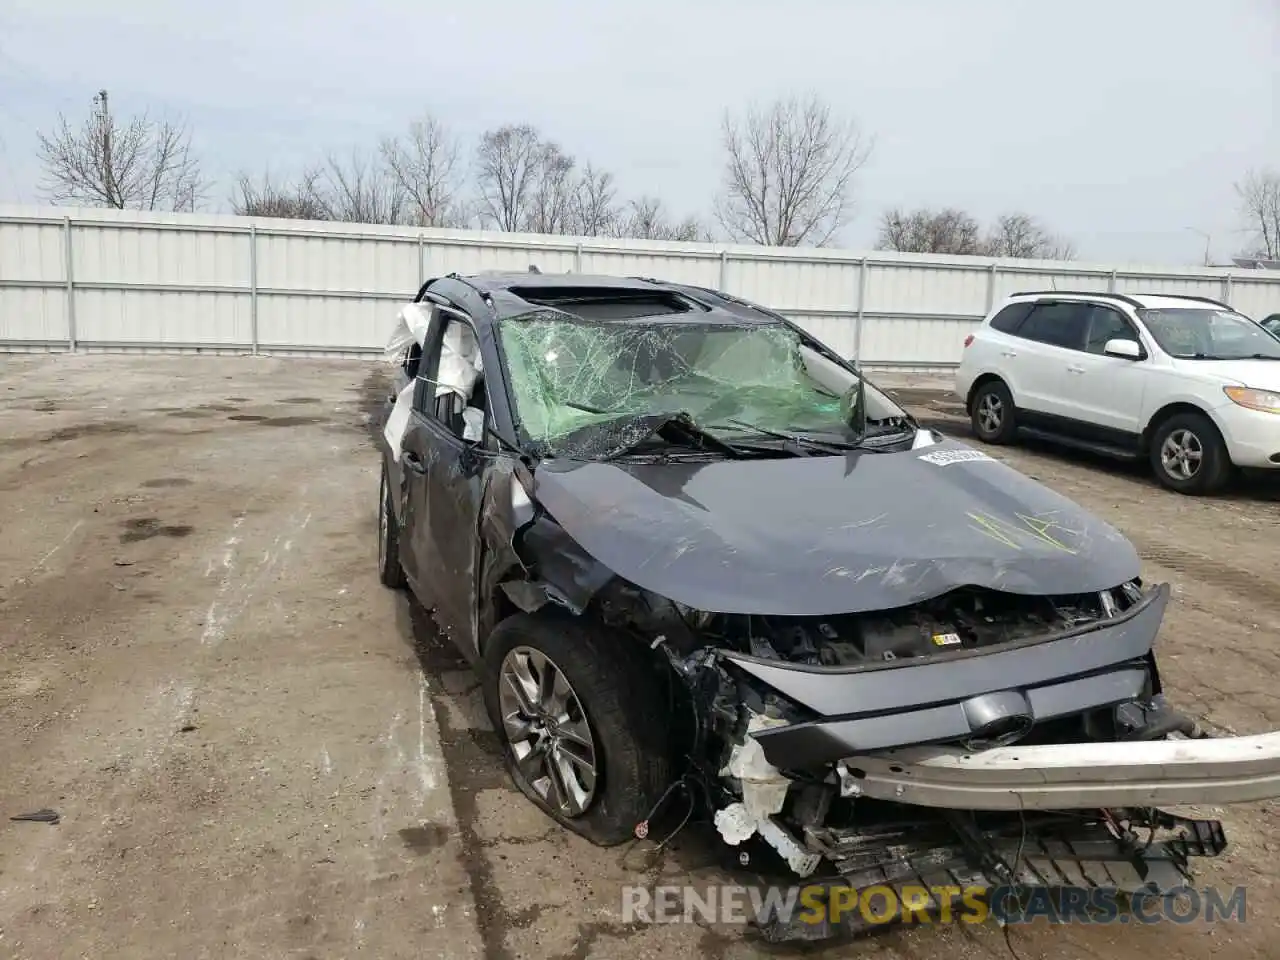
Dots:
(256, 751)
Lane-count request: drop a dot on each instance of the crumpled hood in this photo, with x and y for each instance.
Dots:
(815, 536)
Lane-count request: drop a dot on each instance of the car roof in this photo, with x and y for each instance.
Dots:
(512, 294)
(1153, 301)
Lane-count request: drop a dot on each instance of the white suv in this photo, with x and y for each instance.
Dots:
(1186, 381)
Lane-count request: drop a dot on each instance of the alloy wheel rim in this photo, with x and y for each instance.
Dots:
(547, 730)
(1181, 454)
(990, 412)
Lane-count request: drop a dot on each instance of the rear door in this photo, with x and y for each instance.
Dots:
(1050, 335)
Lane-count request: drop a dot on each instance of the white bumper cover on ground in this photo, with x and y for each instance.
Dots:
(1073, 776)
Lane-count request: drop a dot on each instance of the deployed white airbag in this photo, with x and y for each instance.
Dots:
(460, 367)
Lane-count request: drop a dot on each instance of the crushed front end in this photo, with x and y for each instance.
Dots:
(977, 739)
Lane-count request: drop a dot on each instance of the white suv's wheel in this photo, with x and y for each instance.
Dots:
(1188, 455)
(992, 413)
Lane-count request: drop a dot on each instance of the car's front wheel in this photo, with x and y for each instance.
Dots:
(1188, 455)
(582, 720)
(389, 570)
(992, 414)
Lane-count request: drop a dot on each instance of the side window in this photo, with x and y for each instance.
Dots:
(1010, 318)
(1107, 324)
(412, 358)
(1057, 324)
(453, 380)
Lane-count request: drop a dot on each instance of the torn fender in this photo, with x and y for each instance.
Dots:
(528, 556)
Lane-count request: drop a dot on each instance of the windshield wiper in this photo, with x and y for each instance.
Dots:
(622, 434)
(797, 439)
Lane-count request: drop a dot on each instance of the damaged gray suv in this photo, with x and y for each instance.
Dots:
(703, 566)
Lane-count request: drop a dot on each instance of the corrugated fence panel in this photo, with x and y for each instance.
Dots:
(794, 284)
(1189, 286)
(934, 290)
(921, 341)
(144, 281)
(1007, 284)
(323, 321)
(160, 318)
(440, 258)
(700, 271)
(117, 254)
(320, 263)
(33, 316)
(32, 252)
(1254, 299)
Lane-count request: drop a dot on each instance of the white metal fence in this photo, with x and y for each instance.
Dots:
(95, 280)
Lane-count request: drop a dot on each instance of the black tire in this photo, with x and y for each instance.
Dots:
(992, 414)
(1191, 433)
(389, 570)
(622, 702)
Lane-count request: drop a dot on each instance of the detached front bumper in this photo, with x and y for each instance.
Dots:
(938, 867)
(1073, 776)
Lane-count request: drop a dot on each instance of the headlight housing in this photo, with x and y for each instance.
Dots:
(1265, 400)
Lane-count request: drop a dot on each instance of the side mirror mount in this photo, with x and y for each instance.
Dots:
(1124, 349)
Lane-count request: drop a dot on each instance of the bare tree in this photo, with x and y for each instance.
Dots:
(789, 173)
(138, 164)
(290, 201)
(1259, 194)
(593, 205)
(930, 231)
(647, 220)
(551, 189)
(1020, 235)
(358, 190)
(506, 162)
(425, 164)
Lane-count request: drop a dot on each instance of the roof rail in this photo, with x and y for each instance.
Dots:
(1188, 296)
(1078, 293)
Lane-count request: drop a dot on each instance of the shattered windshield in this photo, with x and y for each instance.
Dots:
(567, 374)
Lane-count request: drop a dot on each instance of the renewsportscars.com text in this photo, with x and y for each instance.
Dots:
(942, 904)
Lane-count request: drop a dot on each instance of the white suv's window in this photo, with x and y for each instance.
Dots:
(1060, 324)
(1106, 324)
(1010, 318)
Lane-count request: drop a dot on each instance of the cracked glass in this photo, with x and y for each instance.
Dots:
(567, 373)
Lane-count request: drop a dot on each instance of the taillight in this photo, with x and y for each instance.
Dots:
(968, 340)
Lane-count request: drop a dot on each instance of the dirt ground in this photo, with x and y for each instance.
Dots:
(257, 751)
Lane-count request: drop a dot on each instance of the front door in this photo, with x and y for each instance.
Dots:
(1107, 392)
(445, 475)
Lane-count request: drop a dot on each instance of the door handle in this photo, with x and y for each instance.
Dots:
(1008, 353)
(1075, 369)
(413, 462)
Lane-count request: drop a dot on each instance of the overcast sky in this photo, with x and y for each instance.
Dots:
(1123, 124)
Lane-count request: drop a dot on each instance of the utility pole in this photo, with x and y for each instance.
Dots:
(108, 164)
(1208, 240)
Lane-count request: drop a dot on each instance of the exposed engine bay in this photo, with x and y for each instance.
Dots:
(833, 825)
(965, 619)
